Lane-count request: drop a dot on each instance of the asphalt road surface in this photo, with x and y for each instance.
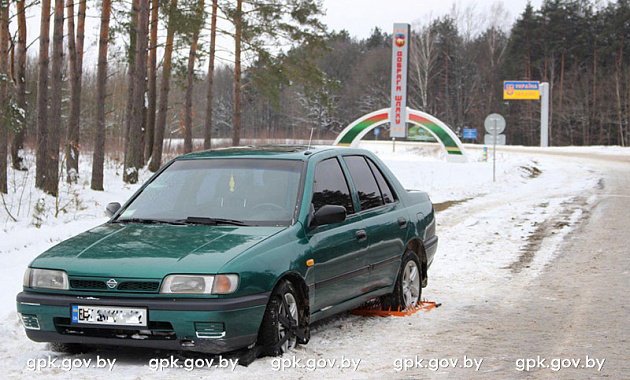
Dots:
(570, 322)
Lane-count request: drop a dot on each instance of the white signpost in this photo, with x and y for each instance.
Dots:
(494, 124)
(544, 115)
(400, 58)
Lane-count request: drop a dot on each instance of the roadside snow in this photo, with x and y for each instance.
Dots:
(489, 232)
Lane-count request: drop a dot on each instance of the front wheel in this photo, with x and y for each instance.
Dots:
(280, 330)
(408, 288)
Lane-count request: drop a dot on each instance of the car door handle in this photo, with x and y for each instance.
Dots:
(402, 222)
(361, 235)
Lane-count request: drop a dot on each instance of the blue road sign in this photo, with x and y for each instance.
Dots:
(470, 133)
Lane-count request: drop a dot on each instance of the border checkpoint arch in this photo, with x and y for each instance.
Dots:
(353, 133)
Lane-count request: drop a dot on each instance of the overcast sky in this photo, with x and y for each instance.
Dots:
(359, 17)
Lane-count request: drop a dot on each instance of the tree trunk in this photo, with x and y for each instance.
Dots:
(207, 141)
(152, 82)
(423, 63)
(134, 151)
(190, 81)
(75, 64)
(51, 183)
(143, 94)
(101, 93)
(131, 69)
(160, 126)
(628, 107)
(4, 92)
(618, 79)
(238, 34)
(42, 96)
(551, 65)
(18, 138)
(559, 109)
(594, 117)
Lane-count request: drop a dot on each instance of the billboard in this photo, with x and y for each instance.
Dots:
(400, 59)
(521, 90)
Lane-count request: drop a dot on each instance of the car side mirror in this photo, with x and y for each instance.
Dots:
(112, 208)
(328, 214)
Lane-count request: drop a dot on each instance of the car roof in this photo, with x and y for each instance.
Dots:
(295, 152)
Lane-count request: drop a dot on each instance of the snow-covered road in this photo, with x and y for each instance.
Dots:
(503, 246)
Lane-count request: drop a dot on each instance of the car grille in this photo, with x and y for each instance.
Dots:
(124, 286)
(87, 284)
(154, 331)
(139, 286)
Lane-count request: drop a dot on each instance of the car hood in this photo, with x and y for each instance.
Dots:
(151, 251)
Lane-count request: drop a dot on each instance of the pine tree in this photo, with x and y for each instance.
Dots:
(197, 24)
(207, 140)
(42, 96)
(101, 93)
(152, 82)
(165, 87)
(134, 149)
(4, 92)
(17, 144)
(75, 64)
(51, 182)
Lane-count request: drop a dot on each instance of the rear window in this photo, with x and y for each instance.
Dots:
(386, 190)
(365, 183)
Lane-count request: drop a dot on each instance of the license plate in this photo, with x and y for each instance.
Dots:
(106, 315)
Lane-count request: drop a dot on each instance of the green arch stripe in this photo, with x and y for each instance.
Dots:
(353, 132)
(449, 144)
(351, 135)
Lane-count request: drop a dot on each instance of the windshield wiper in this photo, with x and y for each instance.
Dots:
(147, 221)
(212, 221)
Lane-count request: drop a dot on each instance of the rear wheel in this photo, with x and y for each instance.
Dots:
(408, 288)
(281, 323)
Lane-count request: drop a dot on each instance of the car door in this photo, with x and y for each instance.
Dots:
(339, 250)
(384, 218)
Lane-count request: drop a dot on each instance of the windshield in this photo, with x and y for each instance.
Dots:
(220, 191)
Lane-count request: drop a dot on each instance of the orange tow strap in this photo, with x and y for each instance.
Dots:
(375, 309)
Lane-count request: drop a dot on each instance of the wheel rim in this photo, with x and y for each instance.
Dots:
(291, 314)
(411, 284)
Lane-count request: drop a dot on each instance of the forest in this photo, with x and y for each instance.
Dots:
(159, 74)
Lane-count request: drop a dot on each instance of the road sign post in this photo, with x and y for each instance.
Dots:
(494, 124)
(544, 115)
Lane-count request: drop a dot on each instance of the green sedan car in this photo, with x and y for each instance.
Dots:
(238, 248)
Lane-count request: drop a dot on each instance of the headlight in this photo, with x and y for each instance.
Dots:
(45, 279)
(199, 284)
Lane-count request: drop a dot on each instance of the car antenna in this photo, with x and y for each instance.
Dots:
(310, 138)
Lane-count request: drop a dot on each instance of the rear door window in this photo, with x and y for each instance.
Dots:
(365, 183)
(386, 190)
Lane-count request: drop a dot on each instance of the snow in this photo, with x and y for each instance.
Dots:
(488, 232)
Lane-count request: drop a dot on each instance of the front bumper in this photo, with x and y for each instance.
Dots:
(206, 325)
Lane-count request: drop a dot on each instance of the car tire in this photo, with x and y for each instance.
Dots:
(277, 332)
(408, 288)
